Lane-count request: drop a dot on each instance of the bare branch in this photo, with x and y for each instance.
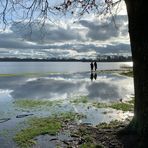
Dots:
(31, 10)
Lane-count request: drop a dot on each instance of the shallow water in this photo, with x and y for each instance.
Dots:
(60, 81)
(61, 67)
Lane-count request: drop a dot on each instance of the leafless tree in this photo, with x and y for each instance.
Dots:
(41, 10)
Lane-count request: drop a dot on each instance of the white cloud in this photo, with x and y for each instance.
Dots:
(87, 38)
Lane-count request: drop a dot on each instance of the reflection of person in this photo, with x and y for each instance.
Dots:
(91, 66)
(95, 65)
(95, 75)
(91, 76)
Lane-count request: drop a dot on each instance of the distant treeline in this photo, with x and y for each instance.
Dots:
(107, 59)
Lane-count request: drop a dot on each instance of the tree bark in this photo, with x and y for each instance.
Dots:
(138, 31)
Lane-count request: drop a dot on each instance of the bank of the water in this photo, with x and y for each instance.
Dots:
(62, 131)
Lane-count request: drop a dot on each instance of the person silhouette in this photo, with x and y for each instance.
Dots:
(95, 65)
(91, 66)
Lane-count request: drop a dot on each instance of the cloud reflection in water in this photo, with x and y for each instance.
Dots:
(105, 87)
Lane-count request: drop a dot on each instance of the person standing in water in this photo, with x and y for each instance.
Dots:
(95, 65)
(91, 66)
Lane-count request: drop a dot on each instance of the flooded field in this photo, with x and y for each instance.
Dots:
(38, 89)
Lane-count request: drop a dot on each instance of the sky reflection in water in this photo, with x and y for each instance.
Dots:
(64, 86)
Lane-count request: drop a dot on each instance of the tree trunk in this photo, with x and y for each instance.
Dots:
(138, 31)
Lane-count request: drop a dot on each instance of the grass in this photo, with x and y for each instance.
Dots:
(40, 126)
(80, 99)
(37, 126)
(71, 116)
(7, 75)
(112, 124)
(4, 133)
(27, 74)
(100, 105)
(132, 101)
(129, 73)
(124, 106)
(98, 137)
(32, 103)
(19, 74)
(88, 137)
(91, 145)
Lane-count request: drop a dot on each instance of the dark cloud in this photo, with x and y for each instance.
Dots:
(114, 48)
(106, 30)
(9, 40)
(45, 34)
(65, 51)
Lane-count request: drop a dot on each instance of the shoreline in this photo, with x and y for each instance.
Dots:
(57, 60)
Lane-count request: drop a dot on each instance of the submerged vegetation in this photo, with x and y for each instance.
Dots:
(112, 124)
(101, 136)
(129, 73)
(100, 105)
(80, 99)
(37, 126)
(7, 75)
(124, 106)
(35, 104)
(91, 145)
(32, 103)
(41, 126)
(28, 74)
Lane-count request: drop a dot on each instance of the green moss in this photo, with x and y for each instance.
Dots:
(90, 140)
(132, 101)
(100, 105)
(19, 74)
(37, 126)
(4, 133)
(32, 103)
(91, 145)
(27, 74)
(71, 116)
(112, 124)
(7, 75)
(80, 99)
(41, 126)
(122, 106)
(129, 73)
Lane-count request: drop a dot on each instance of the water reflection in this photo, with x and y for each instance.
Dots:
(93, 76)
(61, 86)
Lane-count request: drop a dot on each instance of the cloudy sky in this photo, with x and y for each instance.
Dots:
(87, 37)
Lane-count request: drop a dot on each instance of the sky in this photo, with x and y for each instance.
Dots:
(68, 37)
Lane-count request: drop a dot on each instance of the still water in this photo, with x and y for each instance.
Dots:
(43, 67)
(60, 81)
